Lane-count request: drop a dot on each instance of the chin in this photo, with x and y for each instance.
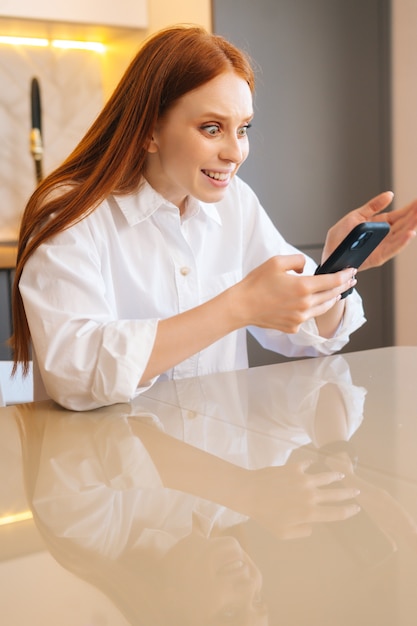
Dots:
(212, 197)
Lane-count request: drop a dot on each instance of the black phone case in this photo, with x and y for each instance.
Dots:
(355, 248)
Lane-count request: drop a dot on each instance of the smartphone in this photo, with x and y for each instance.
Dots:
(355, 248)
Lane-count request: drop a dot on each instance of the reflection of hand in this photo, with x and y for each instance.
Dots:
(392, 519)
(288, 500)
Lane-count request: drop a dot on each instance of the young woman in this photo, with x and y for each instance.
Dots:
(144, 255)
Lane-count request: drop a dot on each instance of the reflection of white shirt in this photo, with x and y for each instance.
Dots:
(96, 484)
(93, 295)
(258, 417)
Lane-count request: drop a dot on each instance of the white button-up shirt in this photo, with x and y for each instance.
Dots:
(94, 293)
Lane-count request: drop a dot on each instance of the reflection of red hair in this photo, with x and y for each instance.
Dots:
(111, 156)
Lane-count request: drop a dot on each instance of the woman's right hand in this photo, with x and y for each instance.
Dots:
(276, 295)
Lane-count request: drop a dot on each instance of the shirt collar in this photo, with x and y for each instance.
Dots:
(139, 206)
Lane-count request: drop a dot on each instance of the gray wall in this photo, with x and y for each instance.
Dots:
(320, 137)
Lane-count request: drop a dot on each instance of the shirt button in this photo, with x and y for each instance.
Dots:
(185, 270)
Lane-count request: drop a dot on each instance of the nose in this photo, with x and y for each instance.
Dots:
(233, 149)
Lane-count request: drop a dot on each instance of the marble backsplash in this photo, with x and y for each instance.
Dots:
(71, 95)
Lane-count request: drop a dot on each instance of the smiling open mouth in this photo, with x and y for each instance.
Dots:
(217, 175)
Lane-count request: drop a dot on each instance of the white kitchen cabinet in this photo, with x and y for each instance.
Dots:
(123, 13)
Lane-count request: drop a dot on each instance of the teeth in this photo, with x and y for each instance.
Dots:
(216, 175)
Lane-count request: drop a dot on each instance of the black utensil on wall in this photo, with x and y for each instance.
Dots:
(36, 145)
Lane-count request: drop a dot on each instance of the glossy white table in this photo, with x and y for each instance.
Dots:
(206, 501)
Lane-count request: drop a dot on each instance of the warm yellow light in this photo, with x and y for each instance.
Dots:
(93, 46)
(15, 517)
(24, 41)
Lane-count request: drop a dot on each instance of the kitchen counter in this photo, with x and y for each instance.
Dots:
(8, 253)
(214, 500)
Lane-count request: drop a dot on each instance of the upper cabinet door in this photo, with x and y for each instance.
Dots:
(123, 13)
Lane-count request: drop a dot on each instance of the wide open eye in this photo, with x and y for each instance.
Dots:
(211, 129)
(243, 130)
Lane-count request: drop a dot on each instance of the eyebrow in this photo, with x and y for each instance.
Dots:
(219, 116)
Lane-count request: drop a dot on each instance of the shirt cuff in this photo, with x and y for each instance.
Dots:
(353, 318)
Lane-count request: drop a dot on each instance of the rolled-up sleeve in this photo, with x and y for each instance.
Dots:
(87, 356)
(307, 341)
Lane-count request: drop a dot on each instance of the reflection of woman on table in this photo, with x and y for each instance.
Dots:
(156, 522)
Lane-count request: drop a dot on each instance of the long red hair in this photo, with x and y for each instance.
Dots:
(111, 156)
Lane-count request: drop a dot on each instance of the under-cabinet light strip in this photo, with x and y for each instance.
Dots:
(93, 46)
(24, 41)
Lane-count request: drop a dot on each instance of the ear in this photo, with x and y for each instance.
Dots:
(153, 143)
(152, 146)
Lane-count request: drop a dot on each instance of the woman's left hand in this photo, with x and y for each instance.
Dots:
(403, 223)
